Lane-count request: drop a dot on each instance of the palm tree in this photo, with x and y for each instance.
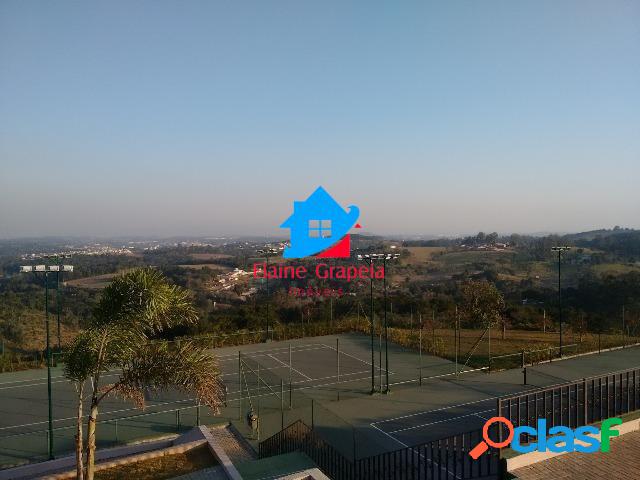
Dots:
(132, 310)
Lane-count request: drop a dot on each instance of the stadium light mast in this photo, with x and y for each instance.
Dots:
(385, 257)
(267, 252)
(367, 258)
(58, 296)
(46, 269)
(560, 250)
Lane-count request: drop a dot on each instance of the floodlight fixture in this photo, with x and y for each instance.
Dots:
(560, 249)
(267, 252)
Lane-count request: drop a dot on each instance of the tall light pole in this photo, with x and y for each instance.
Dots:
(369, 260)
(560, 250)
(46, 269)
(267, 252)
(58, 295)
(385, 257)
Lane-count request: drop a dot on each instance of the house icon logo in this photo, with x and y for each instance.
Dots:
(320, 226)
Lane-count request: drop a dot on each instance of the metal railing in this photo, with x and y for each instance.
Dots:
(575, 404)
(27, 446)
(300, 437)
(447, 458)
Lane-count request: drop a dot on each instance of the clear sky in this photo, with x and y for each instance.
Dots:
(204, 117)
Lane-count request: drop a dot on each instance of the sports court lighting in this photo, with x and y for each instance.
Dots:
(560, 250)
(384, 256)
(46, 269)
(367, 258)
(266, 253)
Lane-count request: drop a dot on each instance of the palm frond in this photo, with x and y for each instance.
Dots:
(143, 297)
(189, 369)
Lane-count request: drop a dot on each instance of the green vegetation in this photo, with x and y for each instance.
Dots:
(600, 277)
(132, 310)
(159, 468)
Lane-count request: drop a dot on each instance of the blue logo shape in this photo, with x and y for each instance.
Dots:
(317, 224)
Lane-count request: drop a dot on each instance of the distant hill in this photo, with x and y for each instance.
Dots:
(602, 233)
(619, 241)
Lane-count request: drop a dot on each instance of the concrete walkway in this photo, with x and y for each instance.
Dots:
(621, 462)
(213, 473)
(235, 446)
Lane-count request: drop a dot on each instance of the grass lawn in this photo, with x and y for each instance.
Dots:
(615, 268)
(159, 468)
(423, 254)
(440, 342)
(200, 266)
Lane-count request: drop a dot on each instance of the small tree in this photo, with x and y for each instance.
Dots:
(133, 309)
(482, 306)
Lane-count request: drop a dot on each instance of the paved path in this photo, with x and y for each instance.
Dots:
(620, 462)
(233, 444)
(213, 473)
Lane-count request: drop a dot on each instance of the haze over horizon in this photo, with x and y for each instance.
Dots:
(196, 118)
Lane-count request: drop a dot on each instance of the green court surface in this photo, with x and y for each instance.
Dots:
(275, 467)
(324, 381)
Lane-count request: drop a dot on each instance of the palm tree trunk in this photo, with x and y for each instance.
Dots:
(79, 439)
(91, 439)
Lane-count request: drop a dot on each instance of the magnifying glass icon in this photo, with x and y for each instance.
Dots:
(484, 445)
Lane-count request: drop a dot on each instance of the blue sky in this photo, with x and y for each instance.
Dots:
(203, 117)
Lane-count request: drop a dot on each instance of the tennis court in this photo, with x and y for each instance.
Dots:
(324, 381)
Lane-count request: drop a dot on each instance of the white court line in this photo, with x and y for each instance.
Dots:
(289, 366)
(320, 385)
(101, 414)
(52, 383)
(434, 410)
(193, 399)
(531, 390)
(480, 416)
(234, 356)
(407, 446)
(189, 400)
(356, 358)
(43, 380)
(440, 421)
(236, 373)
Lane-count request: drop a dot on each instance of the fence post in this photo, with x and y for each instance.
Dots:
(116, 429)
(281, 404)
(524, 373)
(599, 342)
(499, 410)
(240, 383)
(198, 415)
(522, 359)
(585, 397)
(290, 368)
(353, 434)
(420, 354)
(312, 424)
(178, 420)
(338, 367)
